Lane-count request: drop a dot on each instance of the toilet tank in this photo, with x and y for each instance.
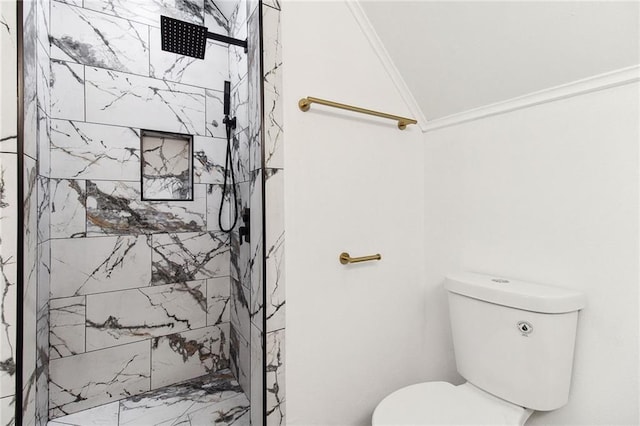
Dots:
(514, 339)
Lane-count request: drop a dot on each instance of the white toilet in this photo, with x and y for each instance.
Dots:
(514, 344)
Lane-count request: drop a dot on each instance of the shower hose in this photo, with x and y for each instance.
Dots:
(228, 169)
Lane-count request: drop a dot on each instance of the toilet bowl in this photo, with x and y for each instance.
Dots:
(513, 343)
(441, 403)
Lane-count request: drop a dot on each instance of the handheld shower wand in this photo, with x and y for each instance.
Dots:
(230, 124)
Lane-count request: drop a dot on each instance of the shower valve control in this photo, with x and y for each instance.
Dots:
(230, 122)
(245, 230)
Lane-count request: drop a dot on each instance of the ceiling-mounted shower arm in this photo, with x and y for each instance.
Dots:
(227, 39)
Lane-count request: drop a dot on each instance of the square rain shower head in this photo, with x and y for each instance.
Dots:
(183, 38)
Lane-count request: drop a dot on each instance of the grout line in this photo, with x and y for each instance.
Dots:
(85, 323)
(84, 90)
(134, 288)
(110, 70)
(150, 363)
(149, 49)
(143, 340)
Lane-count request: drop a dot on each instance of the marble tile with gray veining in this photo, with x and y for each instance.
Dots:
(274, 4)
(67, 326)
(9, 72)
(256, 277)
(43, 21)
(214, 19)
(240, 249)
(230, 412)
(209, 72)
(237, 54)
(239, 302)
(275, 239)
(67, 209)
(190, 354)
(44, 141)
(237, 64)
(240, 103)
(215, 113)
(142, 102)
(126, 316)
(189, 256)
(149, 11)
(44, 211)
(43, 82)
(30, 76)
(275, 384)
(7, 409)
(102, 415)
(252, 6)
(71, 2)
(238, 21)
(254, 77)
(273, 123)
(91, 265)
(115, 208)
(94, 151)
(240, 357)
(208, 159)
(218, 294)
(8, 272)
(166, 405)
(215, 215)
(108, 375)
(43, 97)
(44, 274)
(29, 291)
(99, 40)
(211, 399)
(42, 365)
(256, 375)
(241, 155)
(67, 91)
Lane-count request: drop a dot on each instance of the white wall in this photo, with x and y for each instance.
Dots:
(550, 194)
(352, 183)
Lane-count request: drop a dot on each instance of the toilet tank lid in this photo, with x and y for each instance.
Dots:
(516, 294)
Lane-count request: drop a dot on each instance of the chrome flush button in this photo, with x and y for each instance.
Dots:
(525, 328)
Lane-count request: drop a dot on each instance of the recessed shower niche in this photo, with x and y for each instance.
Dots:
(166, 166)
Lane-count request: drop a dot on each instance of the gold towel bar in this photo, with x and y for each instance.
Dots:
(345, 258)
(305, 103)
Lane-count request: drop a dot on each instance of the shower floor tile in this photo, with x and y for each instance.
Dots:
(215, 399)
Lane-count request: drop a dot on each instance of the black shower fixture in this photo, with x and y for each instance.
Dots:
(229, 124)
(185, 38)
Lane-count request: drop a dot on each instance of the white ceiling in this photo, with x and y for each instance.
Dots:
(459, 55)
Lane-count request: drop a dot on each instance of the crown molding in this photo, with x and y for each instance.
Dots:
(595, 83)
(388, 64)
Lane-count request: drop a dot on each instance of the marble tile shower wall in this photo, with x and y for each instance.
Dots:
(247, 258)
(35, 214)
(256, 199)
(240, 265)
(8, 210)
(274, 220)
(140, 290)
